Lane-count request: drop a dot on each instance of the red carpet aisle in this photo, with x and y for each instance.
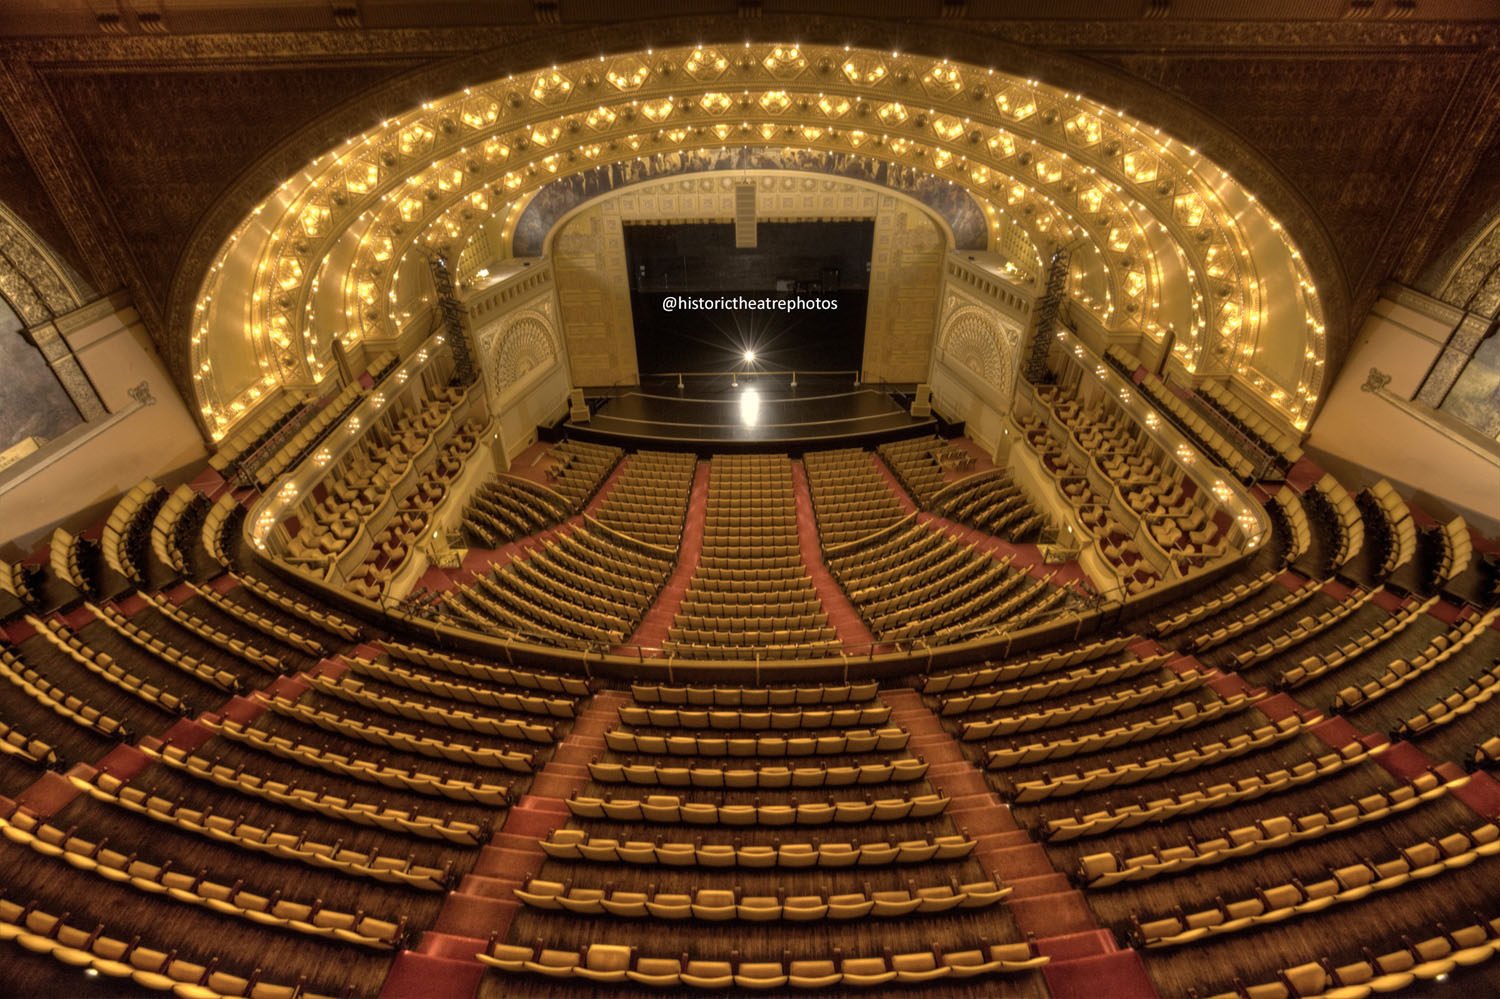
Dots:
(851, 628)
(1044, 902)
(443, 964)
(652, 630)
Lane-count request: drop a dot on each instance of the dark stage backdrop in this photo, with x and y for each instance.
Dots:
(823, 264)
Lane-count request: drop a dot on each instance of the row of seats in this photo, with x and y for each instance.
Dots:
(355, 691)
(727, 719)
(111, 957)
(314, 615)
(314, 423)
(1346, 526)
(1455, 549)
(1277, 832)
(164, 651)
(380, 735)
(1102, 706)
(428, 683)
(1351, 883)
(260, 622)
(60, 702)
(265, 839)
(1183, 716)
(1082, 678)
(576, 844)
(1397, 971)
(484, 792)
(322, 802)
(619, 963)
(759, 776)
(1047, 662)
(1402, 671)
(753, 697)
(668, 808)
(1215, 605)
(1255, 619)
(126, 535)
(919, 464)
(237, 647)
(724, 904)
(1266, 434)
(104, 666)
(851, 741)
(649, 499)
(1201, 799)
(1306, 627)
(1464, 700)
(1315, 666)
(1232, 747)
(1396, 525)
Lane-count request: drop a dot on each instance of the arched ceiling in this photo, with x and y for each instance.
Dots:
(1161, 237)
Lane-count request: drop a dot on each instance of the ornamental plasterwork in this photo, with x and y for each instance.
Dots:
(33, 280)
(974, 338)
(1159, 236)
(515, 346)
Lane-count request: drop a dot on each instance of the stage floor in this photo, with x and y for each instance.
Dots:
(760, 409)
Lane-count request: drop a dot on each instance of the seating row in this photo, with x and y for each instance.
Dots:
(1183, 716)
(668, 808)
(619, 963)
(1202, 799)
(882, 740)
(1277, 832)
(318, 758)
(753, 697)
(576, 844)
(1083, 678)
(744, 778)
(722, 904)
(1402, 671)
(1313, 667)
(1095, 707)
(1045, 663)
(1419, 861)
(732, 720)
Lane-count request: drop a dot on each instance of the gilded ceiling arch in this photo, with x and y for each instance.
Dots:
(1013, 140)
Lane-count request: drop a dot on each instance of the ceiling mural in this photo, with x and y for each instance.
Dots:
(1161, 238)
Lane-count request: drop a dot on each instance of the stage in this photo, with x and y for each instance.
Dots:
(751, 412)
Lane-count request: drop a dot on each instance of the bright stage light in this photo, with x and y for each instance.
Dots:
(749, 407)
(749, 357)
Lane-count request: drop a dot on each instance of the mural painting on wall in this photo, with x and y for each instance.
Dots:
(950, 201)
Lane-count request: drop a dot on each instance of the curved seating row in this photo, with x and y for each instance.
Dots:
(261, 623)
(381, 736)
(753, 697)
(1202, 799)
(731, 720)
(1045, 663)
(233, 900)
(1313, 667)
(325, 619)
(104, 666)
(1095, 707)
(113, 958)
(1419, 861)
(1255, 619)
(619, 963)
(59, 701)
(1183, 716)
(575, 686)
(576, 844)
(1218, 604)
(1183, 761)
(1433, 959)
(318, 758)
(668, 808)
(764, 777)
(353, 690)
(1473, 695)
(246, 836)
(237, 647)
(1105, 870)
(722, 904)
(322, 802)
(1402, 671)
(1306, 627)
(1083, 678)
(855, 741)
(505, 700)
(170, 654)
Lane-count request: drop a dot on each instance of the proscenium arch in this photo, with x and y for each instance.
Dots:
(909, 80)
(663, 179)
(517, 211)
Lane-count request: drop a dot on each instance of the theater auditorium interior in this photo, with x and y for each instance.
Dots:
(549, 499)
